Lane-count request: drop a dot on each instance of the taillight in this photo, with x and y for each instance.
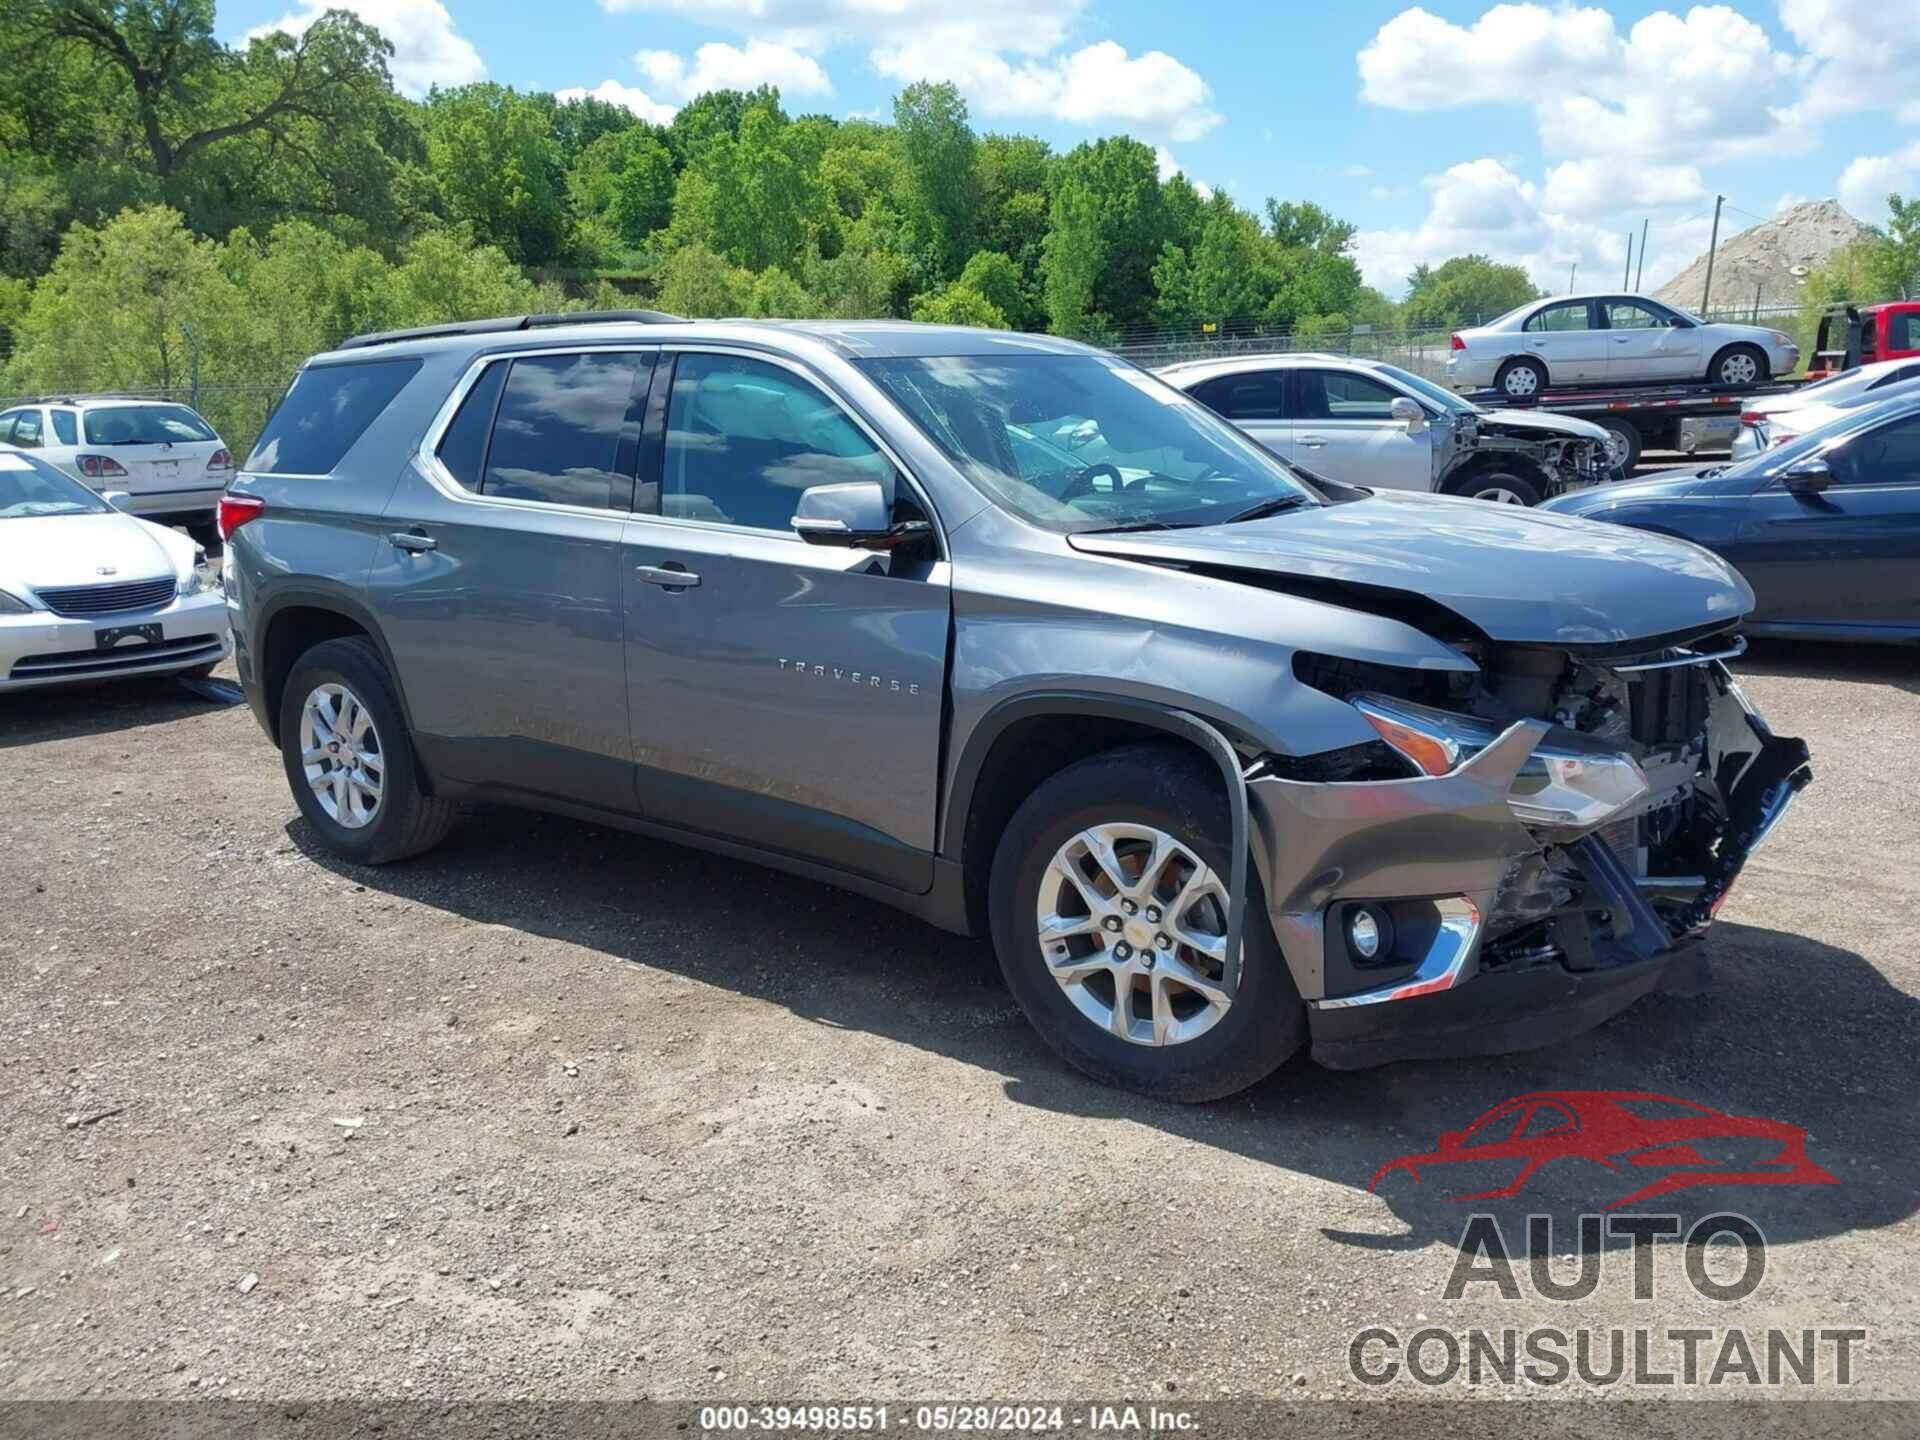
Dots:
(237, 510)
(1774, 442)
(1752, 417)
(1456, 342)
(220, 460)
(100, 467)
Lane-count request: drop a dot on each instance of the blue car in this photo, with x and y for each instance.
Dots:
(1826, 529)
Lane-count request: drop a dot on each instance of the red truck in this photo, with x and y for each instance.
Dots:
(1851, 336)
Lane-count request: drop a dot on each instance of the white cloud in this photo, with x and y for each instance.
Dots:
(1483, 207)
(717, 66)
(1357, 172)
(427, 50)
(1866, 183)
(1008, 57)
(1705, 85)
(1169, 167)
(1097, 84)
(1601, 187)
(614, 93)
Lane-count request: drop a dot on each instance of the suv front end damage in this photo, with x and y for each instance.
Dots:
(1522, 854)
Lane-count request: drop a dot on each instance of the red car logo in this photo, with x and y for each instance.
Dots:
(1691, 1144)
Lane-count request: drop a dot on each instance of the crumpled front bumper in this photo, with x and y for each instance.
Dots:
(1454, 840)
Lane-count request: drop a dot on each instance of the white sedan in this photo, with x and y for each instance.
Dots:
(1780, 418)
(87, 593)
(1574, 340)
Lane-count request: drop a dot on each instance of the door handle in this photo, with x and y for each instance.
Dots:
(1621, 339)
(413, 541)
(1313, 442)
(667, 576)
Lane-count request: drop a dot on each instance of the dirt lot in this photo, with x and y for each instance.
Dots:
(561, 1112)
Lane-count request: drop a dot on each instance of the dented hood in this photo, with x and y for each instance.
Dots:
(1518, 575)
(1532, 423)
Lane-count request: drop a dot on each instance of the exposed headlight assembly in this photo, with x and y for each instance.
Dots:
(201, 579)
(1558, 786)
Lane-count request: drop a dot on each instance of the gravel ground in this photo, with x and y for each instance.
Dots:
(557, 1111)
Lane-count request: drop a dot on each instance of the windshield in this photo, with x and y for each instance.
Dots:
(30, 488)
(144, 425)
(1438, 394)
(1084, 442)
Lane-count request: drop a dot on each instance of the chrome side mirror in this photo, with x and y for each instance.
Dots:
(1408, 412)
(852, 515)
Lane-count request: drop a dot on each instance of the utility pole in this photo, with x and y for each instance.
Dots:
(1572, 270)
(1626, 276)
(1706, 294)
(1643, 255)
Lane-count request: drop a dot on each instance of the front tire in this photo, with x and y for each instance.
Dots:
(1521, 379)
(1623, 449)
(1737, 366)
(349, 759)
(1132, 996)
(1501, 487)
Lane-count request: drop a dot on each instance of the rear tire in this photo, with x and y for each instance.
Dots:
(1501, 487)
(1521, 379)
(380, 812)
(1738, 365)
(1153, 788)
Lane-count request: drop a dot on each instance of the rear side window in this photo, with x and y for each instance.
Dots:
(65, 426)
(326, 411)
(557, 436)
(26, 430)
(145, 425)
(1242, 397)
(1903, 331)
(463, 449)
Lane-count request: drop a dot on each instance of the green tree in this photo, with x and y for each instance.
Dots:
(698, 283)
(497, 169)
(577, 125)
(446, 275)
(1116, 185)
(754, 198)
(997, 279)
(940, 153)
(1465, 290)
(622, 187)
(959, 304)
(1304, 225)
(718, 112)
(862, 282)
(1072, 259)
(120, 304)
(778, 296)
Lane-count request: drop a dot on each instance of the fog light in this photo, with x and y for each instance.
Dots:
(1363, 934)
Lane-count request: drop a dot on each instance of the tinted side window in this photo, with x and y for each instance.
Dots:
(557, 435)
(1337, 395)
(1561, 317)
(1903, 332)
(463, 449)
(744, 438)
(326, 411)
(1243, 397)
(1889, 455)
(65, 426)
(26, 430)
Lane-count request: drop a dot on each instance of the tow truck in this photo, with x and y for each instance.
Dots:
(1688, 417)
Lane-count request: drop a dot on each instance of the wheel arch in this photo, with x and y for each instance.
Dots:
(1759, 350)
(296, 621)
(1024, 741)
(1530, 357)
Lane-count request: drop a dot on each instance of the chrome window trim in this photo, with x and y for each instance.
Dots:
(427, 458)
(839, 402)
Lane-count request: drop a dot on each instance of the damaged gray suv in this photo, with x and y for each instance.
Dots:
(1227, 761)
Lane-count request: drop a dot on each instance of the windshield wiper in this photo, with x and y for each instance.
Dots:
(1135, 526)
(1272, 505)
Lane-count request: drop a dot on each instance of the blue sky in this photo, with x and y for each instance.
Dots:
(1538, 133)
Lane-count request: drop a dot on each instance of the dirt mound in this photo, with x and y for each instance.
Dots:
(1763, 259)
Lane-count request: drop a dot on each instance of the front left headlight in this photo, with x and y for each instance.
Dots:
(1780, 339)
(204, 577)
(12, 605)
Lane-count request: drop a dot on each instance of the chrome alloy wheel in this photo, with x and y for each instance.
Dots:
(1617, 449)
(1739, 369)
(341, 753)
(1499, 495)
(1133, 928)
(1521, 381)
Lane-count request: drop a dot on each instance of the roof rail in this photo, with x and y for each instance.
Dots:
(80, 397)
(507, 323)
